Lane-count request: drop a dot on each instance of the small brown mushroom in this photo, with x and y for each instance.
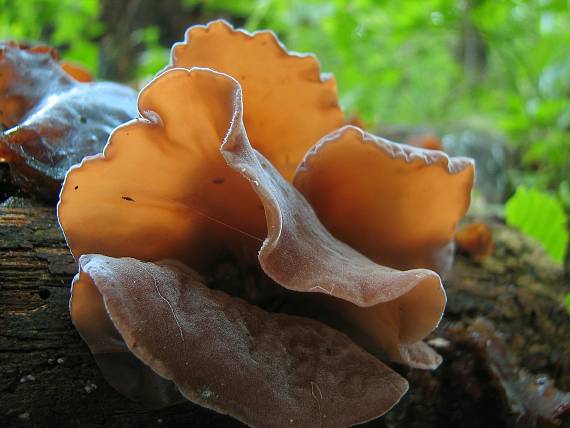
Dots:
(79, 73)
(426, 141)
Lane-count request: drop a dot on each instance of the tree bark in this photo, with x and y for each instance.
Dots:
(49, 378)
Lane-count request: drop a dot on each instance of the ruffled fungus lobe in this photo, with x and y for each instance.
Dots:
(288, 103)
(398, 205)
(55, 119)
(184, 183)
(264, 369)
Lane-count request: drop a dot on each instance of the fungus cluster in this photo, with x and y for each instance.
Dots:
(240, 151)
(55, 115)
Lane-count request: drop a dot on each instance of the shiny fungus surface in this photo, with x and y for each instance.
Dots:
(54, 115)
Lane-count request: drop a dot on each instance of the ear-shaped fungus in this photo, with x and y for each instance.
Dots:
(475, 239)
(184, 183)
(264, 369)
(288, 103)
(56, 120)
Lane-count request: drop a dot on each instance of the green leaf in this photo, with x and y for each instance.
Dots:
(540, 216)
(567, 303)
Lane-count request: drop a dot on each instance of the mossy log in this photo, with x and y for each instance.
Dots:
(49, 378)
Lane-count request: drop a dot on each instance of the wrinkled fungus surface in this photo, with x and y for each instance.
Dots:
(55, 119)
(206, 172)
(264, 369)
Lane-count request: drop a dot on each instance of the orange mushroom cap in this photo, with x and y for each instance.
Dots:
(194, 200)
(399, 205)
(183, 182)
(288, 103)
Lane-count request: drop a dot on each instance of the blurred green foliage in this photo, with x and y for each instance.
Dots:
(71, 25)
(499, 65)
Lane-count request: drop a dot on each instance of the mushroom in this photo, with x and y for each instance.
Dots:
(54, 119)
(184, 185)
(288, 103)
(476, 240)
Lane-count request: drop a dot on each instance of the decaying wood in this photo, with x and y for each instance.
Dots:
(48, 377)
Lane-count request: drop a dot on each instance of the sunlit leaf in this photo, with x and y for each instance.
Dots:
(540, 216)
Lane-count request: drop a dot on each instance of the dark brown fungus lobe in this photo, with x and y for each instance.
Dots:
(476, 240)
(55, 120)
(267, 370)
(288, 103)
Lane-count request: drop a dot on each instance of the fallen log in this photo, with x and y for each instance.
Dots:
(49, 378)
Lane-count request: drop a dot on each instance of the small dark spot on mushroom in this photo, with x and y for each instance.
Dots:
(76, 187)
(218, 180)
(128, 198)
(83, 119)
(260, 207)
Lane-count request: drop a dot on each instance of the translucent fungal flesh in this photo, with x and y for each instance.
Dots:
(207, 170)
(175, 210)
(55, 119)
(288, 103)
